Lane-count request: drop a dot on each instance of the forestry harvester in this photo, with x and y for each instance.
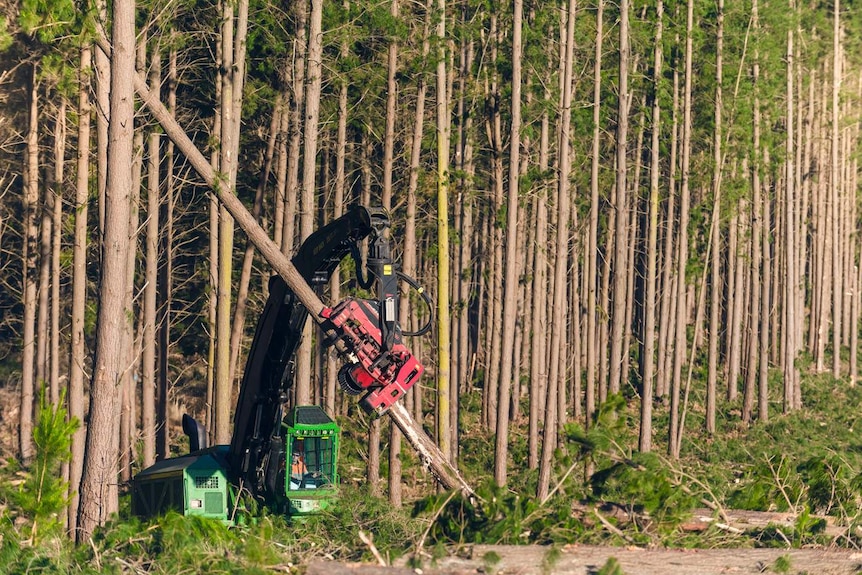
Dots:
(288, 462)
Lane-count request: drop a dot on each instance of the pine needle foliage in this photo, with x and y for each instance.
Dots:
(496, 516)
(43, 495)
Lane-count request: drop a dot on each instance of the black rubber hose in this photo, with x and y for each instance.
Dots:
(421, 291)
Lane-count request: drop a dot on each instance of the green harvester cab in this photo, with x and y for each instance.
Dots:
(312, 452)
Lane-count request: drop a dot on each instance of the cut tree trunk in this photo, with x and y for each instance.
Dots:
(445, 472)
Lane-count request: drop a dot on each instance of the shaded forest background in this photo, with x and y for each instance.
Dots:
(648, 206)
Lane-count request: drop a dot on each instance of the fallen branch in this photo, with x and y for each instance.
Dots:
(372, 547)
(611, 527)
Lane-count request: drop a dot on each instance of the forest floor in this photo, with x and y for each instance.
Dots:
(595, 560)
(805, 467)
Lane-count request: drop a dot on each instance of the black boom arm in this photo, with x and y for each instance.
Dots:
(370, 343)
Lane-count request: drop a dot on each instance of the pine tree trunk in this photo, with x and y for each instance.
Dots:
(510, 282)
(338, 210)
(755, 283)
(28, 282)
(736, 299)
(148, 337)
(165, 279)
(561, 247)
(650, 304)
(309, 171)
(214, 260)
(715, 232)
(77, 354)
(667, 327)
(765, 300)
(98, 484)
(835, 184)
(789, 329)
(386, 201)
(279, 200)
(56, 247)
(131, 361)
(222, 390)
(681, 311)
(538, 367)
(593, 242)
(44, 286)
(466, 276)
(621, 270)
(443, 329)
(495, 137)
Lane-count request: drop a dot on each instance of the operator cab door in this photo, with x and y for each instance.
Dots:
(312, 463)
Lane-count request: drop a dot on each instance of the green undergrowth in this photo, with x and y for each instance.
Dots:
(806, 464)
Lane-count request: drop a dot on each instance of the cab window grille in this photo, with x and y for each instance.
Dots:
(206, 482)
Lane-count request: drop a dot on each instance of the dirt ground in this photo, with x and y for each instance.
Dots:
(589, 560)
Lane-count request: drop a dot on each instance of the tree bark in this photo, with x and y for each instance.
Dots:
(31, 230)
(620, 270)
(165, 277)
(789, 329)
(682, 251)
(309, 171)
(650, 304)
(98, 484)
(715, 232)
(593, 243)
(755, 283)
(130, 360)
(561, 247)
(443, 326)
(151, 272)
(56, 247)
(510, 282)
(77, 356)
(44, 284)
(835, 189)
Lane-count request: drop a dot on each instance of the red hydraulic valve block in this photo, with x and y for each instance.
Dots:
(386, 375)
